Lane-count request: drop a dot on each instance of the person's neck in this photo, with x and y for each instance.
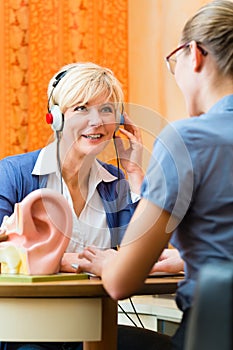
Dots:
(77, 182)
(214, 91)
(76, 168)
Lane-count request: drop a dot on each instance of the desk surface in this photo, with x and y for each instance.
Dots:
(81, 288)
(39, 311)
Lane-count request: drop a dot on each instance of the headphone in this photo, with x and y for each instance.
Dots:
(122, 119)
(55, 117)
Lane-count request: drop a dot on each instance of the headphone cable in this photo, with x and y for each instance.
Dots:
(135, 312)
(126, 314)
(117, 188)
(59, 160)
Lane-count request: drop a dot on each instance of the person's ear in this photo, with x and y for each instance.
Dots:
(196, 56)
(43, 228)
(49, 215)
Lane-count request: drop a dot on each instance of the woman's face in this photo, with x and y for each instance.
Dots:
(89, 128)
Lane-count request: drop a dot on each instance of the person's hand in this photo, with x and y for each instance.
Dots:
(131, 157)
(92, 260)
(3, 229)
(67, 260)
(169, 261)
(3, 236)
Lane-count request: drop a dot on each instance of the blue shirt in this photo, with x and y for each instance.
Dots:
(190, 175)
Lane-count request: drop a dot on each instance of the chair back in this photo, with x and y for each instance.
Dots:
(210, 324)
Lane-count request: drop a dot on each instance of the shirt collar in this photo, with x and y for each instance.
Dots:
(98, 174)
(47, 161)
(223, 105)
(47, 164)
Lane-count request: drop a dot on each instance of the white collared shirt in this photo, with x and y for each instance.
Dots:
(90, 228)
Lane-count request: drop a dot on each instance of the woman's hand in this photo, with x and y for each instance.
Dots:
(131, 157)
(3, 236)
(169, 261)
(92, 260)
(67, 260)
(3, 229)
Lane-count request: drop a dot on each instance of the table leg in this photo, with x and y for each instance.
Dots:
(109, 327)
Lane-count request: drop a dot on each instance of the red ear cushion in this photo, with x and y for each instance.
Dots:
(49, 118)
(55, 118)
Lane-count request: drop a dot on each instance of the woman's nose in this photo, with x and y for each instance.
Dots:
(95, 117)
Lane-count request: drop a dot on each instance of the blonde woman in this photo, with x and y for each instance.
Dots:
(85, 102)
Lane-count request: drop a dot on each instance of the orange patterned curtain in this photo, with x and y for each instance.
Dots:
(38, 37)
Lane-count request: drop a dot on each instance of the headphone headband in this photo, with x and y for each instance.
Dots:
(55, 117)
(58, 77)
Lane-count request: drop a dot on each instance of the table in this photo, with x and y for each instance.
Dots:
(78, 310)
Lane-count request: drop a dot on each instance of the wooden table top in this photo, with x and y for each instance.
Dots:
(81, 288)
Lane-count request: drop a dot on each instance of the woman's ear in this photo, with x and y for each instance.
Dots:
(196, 56)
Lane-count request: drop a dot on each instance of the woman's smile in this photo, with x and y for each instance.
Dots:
(93, 136)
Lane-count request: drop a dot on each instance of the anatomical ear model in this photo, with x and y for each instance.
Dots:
(38, 233)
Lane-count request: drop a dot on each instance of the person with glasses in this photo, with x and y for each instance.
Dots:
(171, 59)
(187, 193)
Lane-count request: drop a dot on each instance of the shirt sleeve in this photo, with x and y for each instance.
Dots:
(169, 179)
(135, 197)
(8, 189)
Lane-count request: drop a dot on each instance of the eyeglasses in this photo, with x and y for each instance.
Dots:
(171, 61)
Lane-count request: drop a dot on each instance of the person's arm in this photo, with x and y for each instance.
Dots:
(144, 241)
(16, 180)
(8, 189)
(123, 272)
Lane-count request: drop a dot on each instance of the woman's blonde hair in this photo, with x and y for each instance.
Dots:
(82, 82)
(212, 26)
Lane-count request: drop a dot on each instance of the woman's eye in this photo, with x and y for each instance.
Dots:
(80, 108)
(107, 109)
